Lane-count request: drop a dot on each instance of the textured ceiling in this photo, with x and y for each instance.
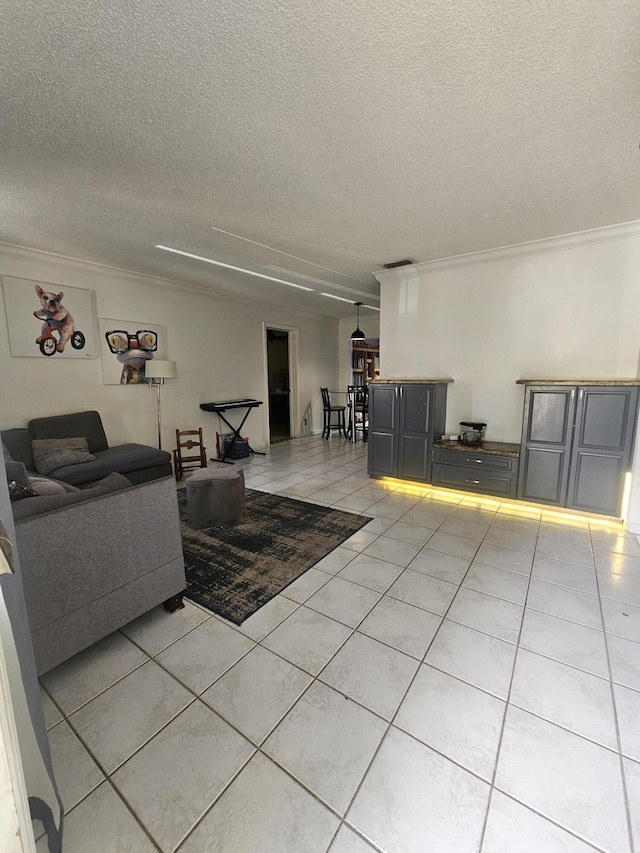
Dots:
(343, 135)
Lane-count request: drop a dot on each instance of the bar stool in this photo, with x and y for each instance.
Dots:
(328, 411)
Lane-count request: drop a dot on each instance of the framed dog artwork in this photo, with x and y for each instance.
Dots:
(127, 347)
(46, 320)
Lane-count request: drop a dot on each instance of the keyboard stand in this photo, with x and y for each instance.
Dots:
(220, 409)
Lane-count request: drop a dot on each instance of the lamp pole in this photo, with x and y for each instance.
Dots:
(161, 370)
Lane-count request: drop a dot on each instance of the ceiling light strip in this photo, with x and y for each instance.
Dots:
(280, 252)
(350, 301)
(235, 269)
(341, 298)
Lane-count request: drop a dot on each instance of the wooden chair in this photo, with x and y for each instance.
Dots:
(358, 396)
(199, 460)
(328, 411)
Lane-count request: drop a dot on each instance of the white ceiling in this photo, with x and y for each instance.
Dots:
(344, 134)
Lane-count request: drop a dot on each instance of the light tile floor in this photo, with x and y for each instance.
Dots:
(460, 675)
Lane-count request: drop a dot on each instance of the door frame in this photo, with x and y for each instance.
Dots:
(294, 344)
(12, 773)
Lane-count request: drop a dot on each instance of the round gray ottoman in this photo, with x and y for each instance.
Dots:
(215, 497)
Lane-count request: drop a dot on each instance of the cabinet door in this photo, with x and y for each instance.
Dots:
(546, 443)
(415, 434)
(383, 430)
(602, 445)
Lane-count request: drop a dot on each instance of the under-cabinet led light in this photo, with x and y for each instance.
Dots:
(525, 509)
(236, 269)
(626, 496)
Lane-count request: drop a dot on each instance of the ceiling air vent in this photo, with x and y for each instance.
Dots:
(395, 264)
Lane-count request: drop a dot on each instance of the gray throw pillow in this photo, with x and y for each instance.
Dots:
(52, 453)
(46, 503)
(45, 486)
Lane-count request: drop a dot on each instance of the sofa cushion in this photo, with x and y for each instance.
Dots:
(52, 453)
(38, 505)
(47, 486)
(126, 457)
(18, 443)
(88, 424)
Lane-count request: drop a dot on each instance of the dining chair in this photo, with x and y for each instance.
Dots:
(328, 410)
(358, 396)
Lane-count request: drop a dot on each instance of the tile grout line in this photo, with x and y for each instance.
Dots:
(196, 698)
(391, 722)
(506, 707)
(104, 690)
(625, 792)
(317, 677)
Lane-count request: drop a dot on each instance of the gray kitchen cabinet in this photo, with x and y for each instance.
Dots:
(546, 444)
(491, 469)
(383, 430)
(577, 442)
(405, 418)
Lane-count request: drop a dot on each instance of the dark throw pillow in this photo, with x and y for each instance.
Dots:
(17, 491)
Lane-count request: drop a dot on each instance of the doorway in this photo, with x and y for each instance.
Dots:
(279, 385)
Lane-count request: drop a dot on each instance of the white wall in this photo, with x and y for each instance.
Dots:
(562, 308)
(218, 345)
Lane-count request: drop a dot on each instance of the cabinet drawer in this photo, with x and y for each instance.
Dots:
(481, 461)
(472, 480)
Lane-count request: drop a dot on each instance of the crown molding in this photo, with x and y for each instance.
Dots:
(575, 240)
(65, 262)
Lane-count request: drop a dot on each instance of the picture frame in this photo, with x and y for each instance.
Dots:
(49, 321)
(126, 346)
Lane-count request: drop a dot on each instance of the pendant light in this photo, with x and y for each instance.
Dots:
(358, 335)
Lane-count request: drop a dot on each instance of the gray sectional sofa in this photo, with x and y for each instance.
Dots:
(93, 558)
(138, 462)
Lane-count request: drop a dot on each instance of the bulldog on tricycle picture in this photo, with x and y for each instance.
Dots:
(46, 319)
(56, 319)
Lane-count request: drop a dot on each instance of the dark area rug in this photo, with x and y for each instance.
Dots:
(233, 571)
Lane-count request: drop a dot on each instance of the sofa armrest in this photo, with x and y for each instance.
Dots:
(18, 443)
(72, 556)
(17, 471)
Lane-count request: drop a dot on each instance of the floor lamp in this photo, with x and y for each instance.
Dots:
(157, 371)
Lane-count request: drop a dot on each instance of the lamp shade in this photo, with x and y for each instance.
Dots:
(358, 335)
(156, 369)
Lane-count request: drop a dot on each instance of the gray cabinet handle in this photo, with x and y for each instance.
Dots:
(581, 395)
(477, 482)
(401, 390)
(396, 391)
(477, 461)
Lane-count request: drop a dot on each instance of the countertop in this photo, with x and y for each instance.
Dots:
(501, 448)
(578, 382)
